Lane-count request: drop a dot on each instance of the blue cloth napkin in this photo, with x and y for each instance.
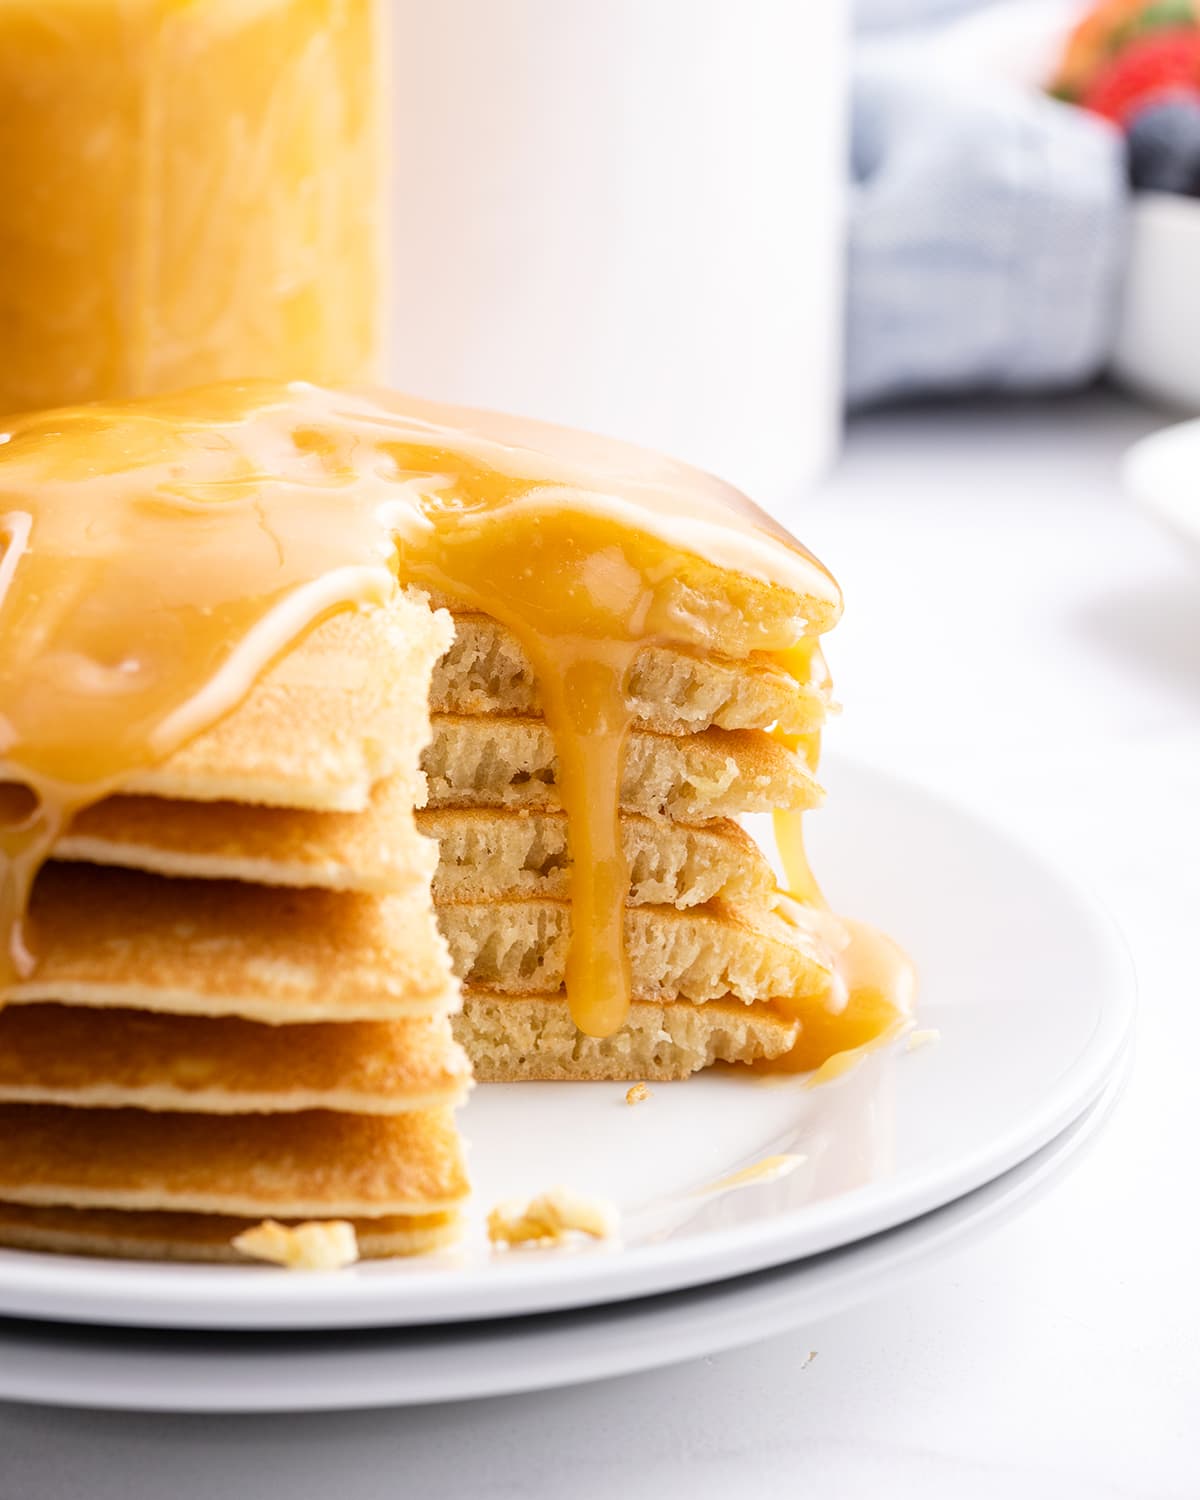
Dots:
(987, 232)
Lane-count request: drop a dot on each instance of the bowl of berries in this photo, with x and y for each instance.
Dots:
(1136, 63)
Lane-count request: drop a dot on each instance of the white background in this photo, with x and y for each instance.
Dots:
(1018, 637)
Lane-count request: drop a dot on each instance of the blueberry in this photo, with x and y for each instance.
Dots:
(1164, 145)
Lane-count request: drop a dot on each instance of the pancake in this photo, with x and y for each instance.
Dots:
(331, 718)
(510, 762)
(196, 1237)
(53, 1054)
(223, 948)
(313, 1165)
(525, 1038)
(486, 671)
(520, 947)
(376, 851)
(506, 855)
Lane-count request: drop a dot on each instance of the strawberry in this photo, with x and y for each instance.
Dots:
(1161, 62)
(1109, 27)
(1090, 45)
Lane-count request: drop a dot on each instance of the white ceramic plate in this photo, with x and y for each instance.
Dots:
(133, 1370)
(1160, 472)
(1023, 978)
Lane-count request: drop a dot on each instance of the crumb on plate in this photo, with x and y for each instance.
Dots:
(318, 1245)
(550, 1218)
(637, 1093)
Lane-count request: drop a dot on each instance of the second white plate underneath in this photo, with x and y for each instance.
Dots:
(1021, 976)
(136, 1370)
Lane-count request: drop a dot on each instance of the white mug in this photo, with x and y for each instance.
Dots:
(626, 215)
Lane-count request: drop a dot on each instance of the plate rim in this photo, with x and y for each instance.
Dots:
(62, 1288)
(1139, 464)
(794, 1294)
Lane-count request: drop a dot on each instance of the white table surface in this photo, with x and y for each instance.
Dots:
(1018, 637)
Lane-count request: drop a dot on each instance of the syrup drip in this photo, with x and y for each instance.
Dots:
(871, 1001)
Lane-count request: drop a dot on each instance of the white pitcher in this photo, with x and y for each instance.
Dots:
(626, 215)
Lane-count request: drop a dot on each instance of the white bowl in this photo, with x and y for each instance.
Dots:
(1157, 350)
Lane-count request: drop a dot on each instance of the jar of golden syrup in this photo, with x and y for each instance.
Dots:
(188, 192)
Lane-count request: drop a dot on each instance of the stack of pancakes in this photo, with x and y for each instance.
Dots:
(241, 1004)
(715, 959)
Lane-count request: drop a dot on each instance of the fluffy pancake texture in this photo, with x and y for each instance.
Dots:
(486, 671)
(709, 954)
(698, 954)
(514, 1038)
(505, 855)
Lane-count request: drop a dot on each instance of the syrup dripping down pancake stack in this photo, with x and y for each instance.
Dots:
(712, 951)
(636, 665)
(224, 991)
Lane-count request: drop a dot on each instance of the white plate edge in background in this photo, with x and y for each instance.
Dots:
(1160, 473)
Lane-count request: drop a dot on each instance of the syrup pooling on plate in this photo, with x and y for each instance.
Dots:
(158, 556)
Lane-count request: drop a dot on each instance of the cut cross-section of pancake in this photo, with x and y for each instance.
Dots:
(510, 762)
(54, 1054)
(486, 671)
(507, 855)
(520, 947)
(514, 1038)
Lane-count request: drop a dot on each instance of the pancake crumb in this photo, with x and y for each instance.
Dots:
(637, 1093)
(549, 1219)
(318, 1245)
